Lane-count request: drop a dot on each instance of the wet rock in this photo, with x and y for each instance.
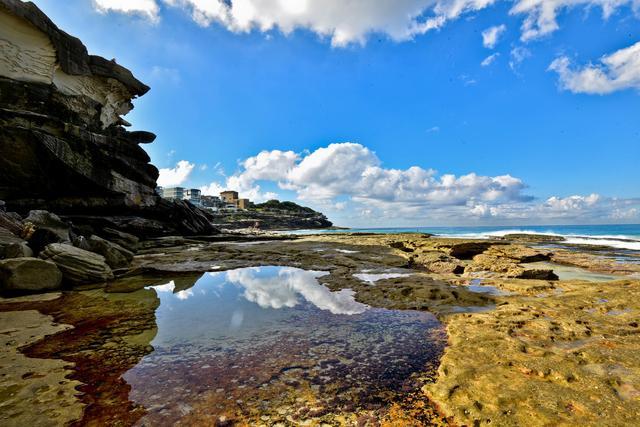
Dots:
(495, 264)
(438, 262)
(11, 222)
(465, 249)
(126, 240)
(519, 253)
(537, 274)
(77, 265)
(12, 246)
(403, 246)
(115, 255)
(16, 250)
(28, 274)
(494, 261)
(166, 217)
(44, 220)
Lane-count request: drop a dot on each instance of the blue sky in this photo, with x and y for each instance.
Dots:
(343, 101)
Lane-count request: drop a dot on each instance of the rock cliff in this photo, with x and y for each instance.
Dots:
(63, 142)
(272, 215)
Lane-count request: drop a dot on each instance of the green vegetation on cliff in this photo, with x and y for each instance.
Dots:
(272, 215)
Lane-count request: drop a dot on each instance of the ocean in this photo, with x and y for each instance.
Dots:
(621, 236)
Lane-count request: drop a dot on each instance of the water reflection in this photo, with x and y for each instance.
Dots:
(277, 287)
(271, 344)
(372, 278)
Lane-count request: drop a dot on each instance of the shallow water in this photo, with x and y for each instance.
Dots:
(565, 272)
(271, 344)
(477, 286)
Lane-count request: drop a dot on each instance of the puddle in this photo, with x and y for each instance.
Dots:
(476, 286)
(565, 272)
(372, 278)
(486, 289)
(271, 345)
(346, 251)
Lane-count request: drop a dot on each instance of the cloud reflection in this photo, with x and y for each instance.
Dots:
(167, 287)
(283, 287)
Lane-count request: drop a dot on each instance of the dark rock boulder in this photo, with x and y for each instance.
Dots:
(12, 246)
(12, 222)
(126, 240)
(538, 273)
(28, 275)
(115, 255)
(466, 250)
(77, 265)
(51, 222)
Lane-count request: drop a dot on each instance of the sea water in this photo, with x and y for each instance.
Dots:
(620, 236)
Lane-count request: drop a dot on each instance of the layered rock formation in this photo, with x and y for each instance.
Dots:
(62, 137)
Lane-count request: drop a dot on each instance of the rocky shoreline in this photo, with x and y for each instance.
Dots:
(539, 331)
(520, 350)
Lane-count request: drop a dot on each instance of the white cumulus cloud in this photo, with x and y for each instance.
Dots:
(342, 22)
(570, 209)
(349, 180)
(170, 177)
(616, 71)
(350, 169)
(146, 8)
(491, 35)
(346, 22)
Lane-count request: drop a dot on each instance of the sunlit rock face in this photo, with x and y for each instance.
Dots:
(34, 50)
(62, 137)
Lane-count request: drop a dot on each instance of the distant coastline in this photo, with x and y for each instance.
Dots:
(622, 236)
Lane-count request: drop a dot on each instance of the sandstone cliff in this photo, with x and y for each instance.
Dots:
(63, 142)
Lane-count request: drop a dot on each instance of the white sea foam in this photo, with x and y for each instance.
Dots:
(617, 241)
(619, 244)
